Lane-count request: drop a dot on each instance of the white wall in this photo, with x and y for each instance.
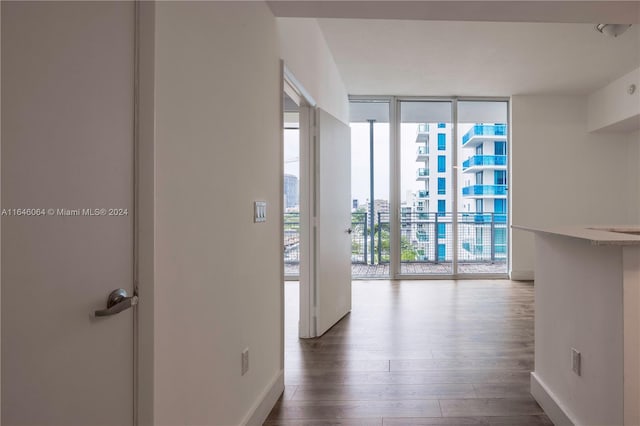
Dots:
(561, 174)
(305, 52)
(218, 282)
(633, 170)
(612, 107)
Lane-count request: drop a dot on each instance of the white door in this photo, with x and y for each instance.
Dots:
(333, 223)
(67, 145)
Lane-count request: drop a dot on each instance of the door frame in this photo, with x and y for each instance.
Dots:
(306, 103)
(144, 212)
(395, 180)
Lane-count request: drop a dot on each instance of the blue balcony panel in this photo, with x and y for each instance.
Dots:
(485, 217)
(484, 190)
(484, 131)
(423, 193)
(489, 161)
(422, 174)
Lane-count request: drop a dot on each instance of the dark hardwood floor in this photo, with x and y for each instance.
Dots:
(415, 353)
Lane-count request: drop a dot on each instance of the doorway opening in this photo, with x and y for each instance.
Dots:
(291, 190)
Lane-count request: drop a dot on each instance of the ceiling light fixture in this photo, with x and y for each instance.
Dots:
(612, 30)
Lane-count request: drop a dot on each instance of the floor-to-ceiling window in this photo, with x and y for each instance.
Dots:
(482, 187)
(370, 147)
(449, 187)
(426, 195)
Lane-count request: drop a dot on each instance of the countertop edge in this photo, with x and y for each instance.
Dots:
(598, 236)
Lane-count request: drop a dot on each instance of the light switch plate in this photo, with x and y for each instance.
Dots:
(576, 361)
(259, 211)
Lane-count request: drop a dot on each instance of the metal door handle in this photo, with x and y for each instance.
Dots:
(349, 231)
(117, 302)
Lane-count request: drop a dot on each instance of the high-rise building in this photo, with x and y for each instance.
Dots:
(433, 202)
(291, 194)
(484, 188)
(482, 204)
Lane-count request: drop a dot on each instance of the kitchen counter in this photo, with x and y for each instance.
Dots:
(597, 235)
(587, 298)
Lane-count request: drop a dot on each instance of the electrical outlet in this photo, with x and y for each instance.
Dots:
(245, 362)
(576, 361)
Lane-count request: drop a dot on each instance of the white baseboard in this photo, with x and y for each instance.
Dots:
(521, 275)
(552, 407)
(265, 402)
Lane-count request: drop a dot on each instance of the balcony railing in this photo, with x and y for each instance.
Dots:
(424, 238)
(423, 193)
(422, 173)
(485, 130)
(484, 190)
(291, 238)
(484, 160)
(422, 153)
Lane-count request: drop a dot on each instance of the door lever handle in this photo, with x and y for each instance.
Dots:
(349, 231)
(117, 302)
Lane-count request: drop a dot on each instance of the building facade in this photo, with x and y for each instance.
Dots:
(484, 192)
(291, 193)
(426, 214)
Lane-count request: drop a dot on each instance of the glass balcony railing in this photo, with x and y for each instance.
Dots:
(484, 160)
(485, 130)
(423, 128)
(422, 150)
(484, 190)
(422, 172)
(423, 193)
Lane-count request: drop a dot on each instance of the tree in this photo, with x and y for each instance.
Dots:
(408, 252)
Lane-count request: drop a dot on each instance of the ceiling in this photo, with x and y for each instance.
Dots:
(572, 11)
(473, 48)
(440, 58)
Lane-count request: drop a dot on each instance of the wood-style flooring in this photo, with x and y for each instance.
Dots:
(415, 353)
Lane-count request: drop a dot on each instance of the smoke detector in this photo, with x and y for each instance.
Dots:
(612, 30)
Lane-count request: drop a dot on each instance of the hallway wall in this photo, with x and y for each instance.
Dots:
(218, 283)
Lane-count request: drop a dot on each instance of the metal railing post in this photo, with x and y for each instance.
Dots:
(435, 240)
(379, 237)
(492, 239)
(364, 236)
